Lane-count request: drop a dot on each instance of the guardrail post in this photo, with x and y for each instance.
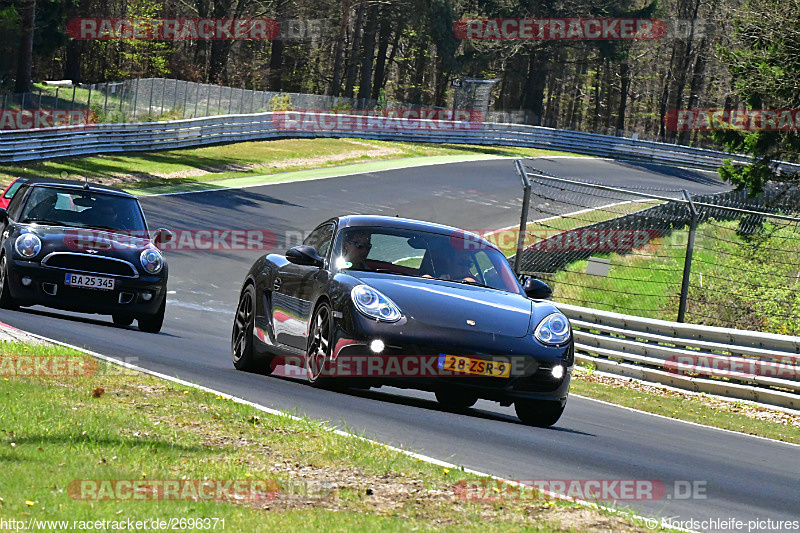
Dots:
(523, 219)
(687, 264)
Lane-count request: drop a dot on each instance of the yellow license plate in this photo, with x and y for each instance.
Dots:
(478, 367)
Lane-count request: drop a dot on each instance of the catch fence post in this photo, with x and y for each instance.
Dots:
(687, 264)
(523, 219)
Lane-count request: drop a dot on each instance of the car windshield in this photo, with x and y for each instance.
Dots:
(83, 209)
(456, 257)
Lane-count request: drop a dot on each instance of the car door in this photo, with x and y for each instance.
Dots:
(295, 288)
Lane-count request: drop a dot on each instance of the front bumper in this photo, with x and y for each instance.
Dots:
(48, 288)
(411, 359)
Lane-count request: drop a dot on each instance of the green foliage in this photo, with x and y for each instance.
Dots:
(762, 58)
(382, 103)
(281, 102)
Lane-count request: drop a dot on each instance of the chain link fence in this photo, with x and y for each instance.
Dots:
(142, 100)
(722, 259)
(150, 99)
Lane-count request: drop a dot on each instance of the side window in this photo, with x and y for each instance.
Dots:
(321, 239)
(13, 189)
(15, 206)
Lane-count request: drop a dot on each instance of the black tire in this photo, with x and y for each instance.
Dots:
(320, 347)
(242, 333)
(6, 301)
(456, 401)
(153, 323)
(539, 413)
(122, 320)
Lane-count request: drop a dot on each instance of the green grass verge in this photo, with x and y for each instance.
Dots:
(548, 227)
(740, 416)
(116, 424)
(148, 169)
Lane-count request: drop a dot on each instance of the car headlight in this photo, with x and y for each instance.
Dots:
(152, 261)
(373, 304)
(553, 330)
(28, 245)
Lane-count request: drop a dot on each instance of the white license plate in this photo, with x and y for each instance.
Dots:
(89, 282)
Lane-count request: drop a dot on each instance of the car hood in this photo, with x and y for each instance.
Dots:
(70, 239)
(445, 304)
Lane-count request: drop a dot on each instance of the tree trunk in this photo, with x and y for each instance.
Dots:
(338, 60)
(624, 87)
(380, 64)
(533, 93)
(695, 87)
(276, 65)
(352, 68)
(25, 56)
(368, 58)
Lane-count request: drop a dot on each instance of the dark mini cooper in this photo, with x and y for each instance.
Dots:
(369, 301)
(72, 246)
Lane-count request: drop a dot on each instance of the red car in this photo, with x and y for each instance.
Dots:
(10, 191)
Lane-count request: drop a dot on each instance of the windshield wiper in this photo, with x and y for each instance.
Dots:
(43, 220)
(465, 282)
(105, 228)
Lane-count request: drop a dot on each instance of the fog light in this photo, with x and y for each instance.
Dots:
(558, 372)
(147, 296)
(377, 346)
(26, 281)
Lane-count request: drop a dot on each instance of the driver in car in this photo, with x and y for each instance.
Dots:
(456, 267)
(355, 248)
(453, 265)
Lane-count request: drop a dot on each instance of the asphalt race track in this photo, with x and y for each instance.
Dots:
(736, 476)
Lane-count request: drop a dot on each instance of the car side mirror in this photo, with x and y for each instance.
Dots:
(537, 289)
(163, 236)
(305, 255)
(3, 216)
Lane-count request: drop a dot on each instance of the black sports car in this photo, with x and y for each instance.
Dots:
(72, 246)
(370, 300)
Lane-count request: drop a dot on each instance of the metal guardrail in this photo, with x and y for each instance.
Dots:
(747, 365)
(32, 145)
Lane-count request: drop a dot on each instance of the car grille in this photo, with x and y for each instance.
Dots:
(91, 264)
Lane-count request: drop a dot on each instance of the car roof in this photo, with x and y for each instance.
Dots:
(348, 221)
(75, 185)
